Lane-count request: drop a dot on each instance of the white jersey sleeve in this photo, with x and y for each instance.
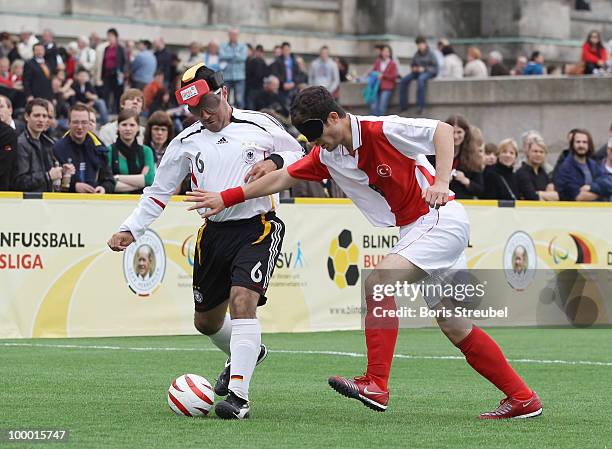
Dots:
(411, 136)
(284, 144)
(169, 175)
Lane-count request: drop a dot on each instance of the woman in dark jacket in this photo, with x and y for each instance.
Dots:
(468, 162)
(500, 181)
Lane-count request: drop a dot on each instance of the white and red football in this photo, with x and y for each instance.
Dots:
(191, 395)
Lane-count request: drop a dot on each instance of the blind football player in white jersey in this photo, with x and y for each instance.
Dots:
(236, 249)
(381, 164)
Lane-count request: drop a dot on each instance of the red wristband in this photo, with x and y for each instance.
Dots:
(232, 196)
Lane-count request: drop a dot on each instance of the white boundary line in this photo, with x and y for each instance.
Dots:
(288, 351)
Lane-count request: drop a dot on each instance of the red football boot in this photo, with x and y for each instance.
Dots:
(513, 408)
(363, 389)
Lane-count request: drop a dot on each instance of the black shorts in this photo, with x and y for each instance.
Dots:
(235, 253)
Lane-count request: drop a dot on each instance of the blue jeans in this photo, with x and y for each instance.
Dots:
(422, 79)
(100, 106)
(379, 107)
(238, 87)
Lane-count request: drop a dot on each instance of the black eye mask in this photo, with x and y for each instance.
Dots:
(312, 129)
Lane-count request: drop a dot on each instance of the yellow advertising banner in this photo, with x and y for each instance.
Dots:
(59, 279)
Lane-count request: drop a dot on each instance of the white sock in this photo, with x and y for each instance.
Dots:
(245, 346)
(221, 339)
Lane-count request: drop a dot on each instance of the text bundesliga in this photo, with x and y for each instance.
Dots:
(425, 312)
(30, 261)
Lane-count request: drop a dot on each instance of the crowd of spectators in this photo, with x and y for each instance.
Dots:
(97, 115)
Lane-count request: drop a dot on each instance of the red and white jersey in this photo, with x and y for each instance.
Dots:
(388, 172)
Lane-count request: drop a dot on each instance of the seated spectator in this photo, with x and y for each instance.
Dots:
(158, 134)
(496, 63)
(55, 128)
(490, 155)
(535, 65)
(594, 55)
(424, 67)
(17, 74)
(88, 155)
(475, 68)
(324, 71)
(132, 164)
(131, 99)
(499, 180)
(269, 99)
(564, 153)
(35, 169)
(93, 121)
(385, 69)
(577, 169)
(601, 187)
(8, 154)
(85, 57)
(343, 69)
(519, 68)
(466, 177)
(6, 115)
(8, 47)
(37, 76)
(453, 65)
(5, 73)
(85, 93)
(532, 180)
(152, 89)
(601, 154)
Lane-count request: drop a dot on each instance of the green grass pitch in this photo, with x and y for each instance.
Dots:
(110, 394)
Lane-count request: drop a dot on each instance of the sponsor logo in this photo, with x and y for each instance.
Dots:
(249, 156)
(197, 296)
(188, 93)
(291, 259)
(222, 140)
(144, 264)
(559, 249)
(342, 261)
(520, 260)
(384, 171)
(188, 249)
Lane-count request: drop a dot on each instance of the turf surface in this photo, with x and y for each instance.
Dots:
(115, 397)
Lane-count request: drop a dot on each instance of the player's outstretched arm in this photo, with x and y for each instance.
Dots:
(437, 194)
(271, 183)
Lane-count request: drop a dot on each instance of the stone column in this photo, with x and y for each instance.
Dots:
(243, 12)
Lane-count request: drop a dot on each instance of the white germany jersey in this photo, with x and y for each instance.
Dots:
(216, 161)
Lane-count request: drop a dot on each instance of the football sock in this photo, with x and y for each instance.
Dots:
(485, 356)
(245, 346)
(381, 335)
(221, 339)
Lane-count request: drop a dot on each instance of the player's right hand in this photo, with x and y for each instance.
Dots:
(121, 240)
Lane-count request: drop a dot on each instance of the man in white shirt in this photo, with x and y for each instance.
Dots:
(237, 249)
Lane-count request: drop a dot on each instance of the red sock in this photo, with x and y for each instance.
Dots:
(485, 356)
(381, 335)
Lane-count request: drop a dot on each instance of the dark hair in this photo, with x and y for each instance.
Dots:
(147, 43)
(249, 46)
(390, 50)
(159, 71)
(259, 47)
(159, 118)
(324, 47)
(38, 44)
(491, 148)
(112, 31)
(127, 114)
(599, 45)
(420, 40)
(35, 102)
(534, 55)
(467, 149)
(314, 103)
(78, 107)
(81, 70)
(589, 138)
(447, 50)
(285, 44)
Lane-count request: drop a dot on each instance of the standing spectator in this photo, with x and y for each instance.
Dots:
(324, 71)
(8, 154)
(152, 89)
(131, 99)
(34, 166)
(594, 54)
(85, 93)
(601, 187)
(211, 56)
(256, 71)
(195, 56)
(8, 48)
(343, 69)
(424, 66)
(535, 65)
(475, 68)
(132, 164)
(519, 68)
(164, 59)
(453, 65)
(269, 100)
(496, 63)
(232, 57)
(86, 152)
(95, 40)
(26, 45)
(37, 76)
(158, 134)
(577, 169)
(277, 52)
(500, 180)
(386, 68)
(468, 161)
(144, 65)
(287, 70)
(52, 57)
(85, 56)
(114, 63)
(532, 181)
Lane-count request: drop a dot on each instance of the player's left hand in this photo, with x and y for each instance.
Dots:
(259, 169)
(436, 195)
(202, 198)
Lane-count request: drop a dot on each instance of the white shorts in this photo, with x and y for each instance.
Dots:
(435, 241)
